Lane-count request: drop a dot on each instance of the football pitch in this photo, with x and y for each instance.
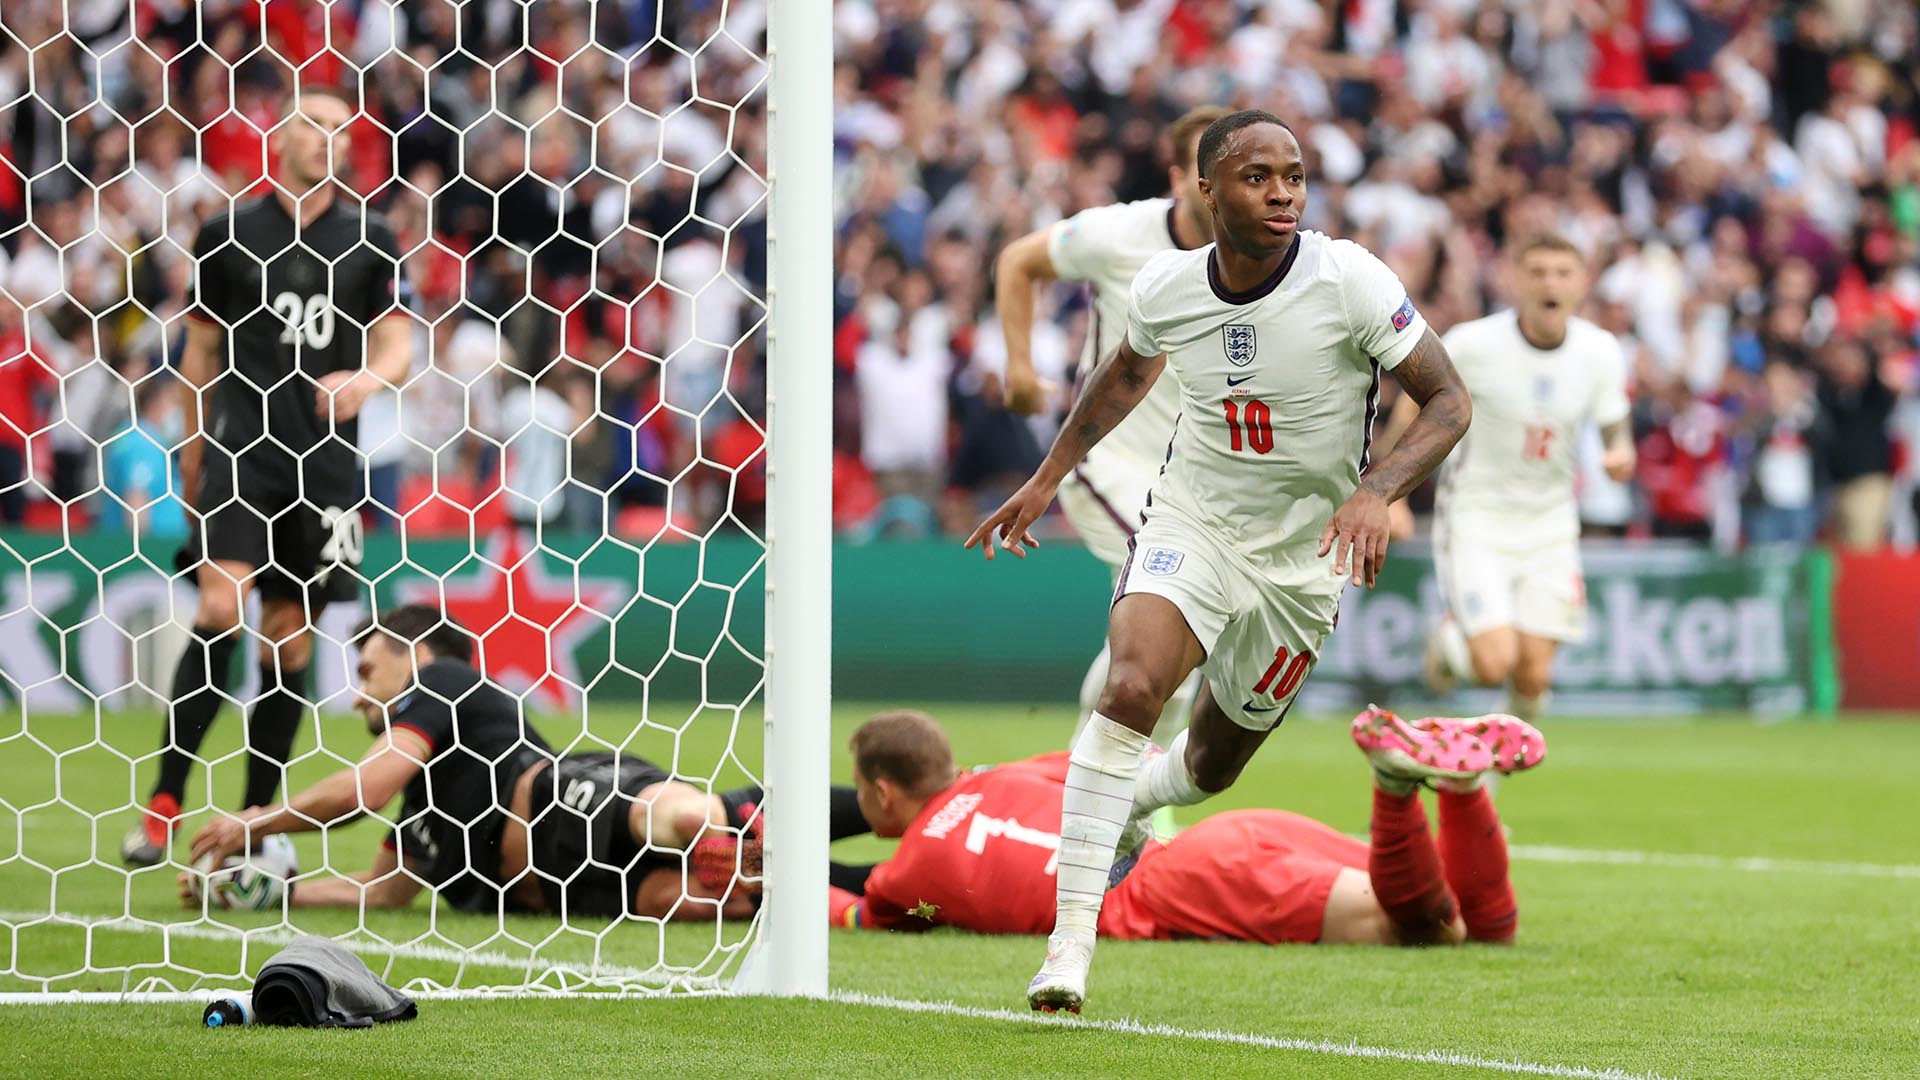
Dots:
(1700, 897)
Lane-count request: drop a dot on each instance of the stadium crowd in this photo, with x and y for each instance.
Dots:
(587, 232)
(1743, 176)
(585, 238)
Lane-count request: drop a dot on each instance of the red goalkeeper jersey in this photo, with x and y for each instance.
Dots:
(982, 856)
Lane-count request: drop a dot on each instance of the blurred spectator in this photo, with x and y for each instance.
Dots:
(26, 384)
(535, 426)
(902, 372)
(1858, 404)
(141, 472)
(589, 461)
(1782, 499)
(1683, 458)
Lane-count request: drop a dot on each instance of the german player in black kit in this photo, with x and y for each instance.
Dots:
(297, 318)
(491, 819)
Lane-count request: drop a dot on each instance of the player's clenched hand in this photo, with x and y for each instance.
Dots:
(1357, 535)
(1619, 462)
(1008, 525)
(341, 393)
(1026, 391)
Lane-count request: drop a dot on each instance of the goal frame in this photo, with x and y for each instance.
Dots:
(788, 955)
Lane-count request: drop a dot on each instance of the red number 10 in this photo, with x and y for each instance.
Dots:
(1290, 681)
(1539, 443)
(1259, 424)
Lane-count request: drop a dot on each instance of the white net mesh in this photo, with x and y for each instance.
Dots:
(573, 468)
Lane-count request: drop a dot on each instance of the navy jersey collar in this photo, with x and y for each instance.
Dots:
(1258, 291)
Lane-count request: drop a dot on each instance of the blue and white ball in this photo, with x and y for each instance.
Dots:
(256, 881)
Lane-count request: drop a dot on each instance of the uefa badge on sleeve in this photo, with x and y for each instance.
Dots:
(1403, 318)
(1162, 561)
(1240, 344)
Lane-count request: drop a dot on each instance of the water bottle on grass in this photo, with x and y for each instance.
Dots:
(230, 1009)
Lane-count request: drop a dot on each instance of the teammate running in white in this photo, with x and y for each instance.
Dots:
(1276, 338)
(1105, 247)
(1505, 527)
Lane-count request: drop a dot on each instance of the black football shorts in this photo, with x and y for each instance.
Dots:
(303, 548)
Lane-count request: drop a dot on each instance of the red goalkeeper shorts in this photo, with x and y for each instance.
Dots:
(1249, 875)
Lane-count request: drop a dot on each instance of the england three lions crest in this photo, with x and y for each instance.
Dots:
(1240, 344)
(1162, 561)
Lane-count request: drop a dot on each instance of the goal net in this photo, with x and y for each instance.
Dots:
(593, 464)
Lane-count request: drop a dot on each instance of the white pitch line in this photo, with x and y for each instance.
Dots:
(1269, 1042)
(1753, 864)
(947, 1008)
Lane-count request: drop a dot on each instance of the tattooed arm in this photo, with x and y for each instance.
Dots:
(1428, 377)
(1360, 527)
(1115, 387)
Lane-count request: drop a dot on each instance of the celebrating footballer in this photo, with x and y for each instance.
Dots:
(1267, 506)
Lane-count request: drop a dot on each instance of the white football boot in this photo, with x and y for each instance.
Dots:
(1061, 985)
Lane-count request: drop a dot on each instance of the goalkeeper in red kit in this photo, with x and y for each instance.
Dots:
(979, 850)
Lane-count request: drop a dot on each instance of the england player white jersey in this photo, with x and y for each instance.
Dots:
(1513, 473)
(1105, 246)
(1278, 388)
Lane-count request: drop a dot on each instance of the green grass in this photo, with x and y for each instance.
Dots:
(1678, 970)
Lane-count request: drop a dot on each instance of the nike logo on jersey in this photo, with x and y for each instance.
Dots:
(1249, 707)
(1231, 381)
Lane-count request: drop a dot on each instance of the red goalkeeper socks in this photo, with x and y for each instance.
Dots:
(1406, 870)
(1475, 850)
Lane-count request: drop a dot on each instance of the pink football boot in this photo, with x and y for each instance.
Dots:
(1515, 744)
(1421, 749)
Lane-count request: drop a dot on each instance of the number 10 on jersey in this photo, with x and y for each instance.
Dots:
(1285, 675)
(1256, 418)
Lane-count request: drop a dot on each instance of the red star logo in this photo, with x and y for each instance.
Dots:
(528, 621)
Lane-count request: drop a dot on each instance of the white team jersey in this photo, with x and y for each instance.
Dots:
(1278, 391)
(1105, 246)
(1513, 473)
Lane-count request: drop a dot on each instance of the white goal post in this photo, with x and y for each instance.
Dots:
(88, 641)
(800, 493)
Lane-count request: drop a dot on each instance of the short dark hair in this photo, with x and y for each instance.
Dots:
(1213, 141)
(419, 624)
(1184, 131)
(907, 747)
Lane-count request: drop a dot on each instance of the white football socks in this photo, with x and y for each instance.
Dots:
(1526, 708)
(1094, 810)
(1165, 780)
(1455, 652)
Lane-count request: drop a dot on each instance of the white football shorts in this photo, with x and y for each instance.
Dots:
(1261, 638)
(1489, 581)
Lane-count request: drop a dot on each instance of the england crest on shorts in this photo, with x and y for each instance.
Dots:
(1162, 561)
(1240, 344)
